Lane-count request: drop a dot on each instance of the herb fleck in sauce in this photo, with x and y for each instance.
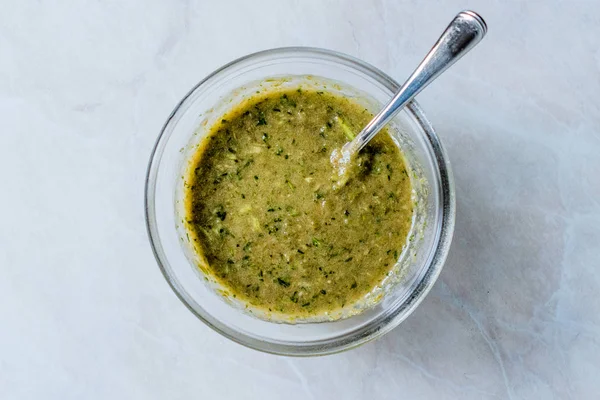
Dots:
(261, 210)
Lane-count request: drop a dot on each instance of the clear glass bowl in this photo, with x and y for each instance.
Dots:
(433, 225)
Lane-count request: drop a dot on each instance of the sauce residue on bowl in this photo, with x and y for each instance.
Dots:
(262, 213)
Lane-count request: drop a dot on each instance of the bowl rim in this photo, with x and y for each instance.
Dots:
(367, 333)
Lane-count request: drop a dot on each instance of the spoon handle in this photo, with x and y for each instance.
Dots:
(464, 32)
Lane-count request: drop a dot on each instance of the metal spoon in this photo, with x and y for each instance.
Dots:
(464, 32)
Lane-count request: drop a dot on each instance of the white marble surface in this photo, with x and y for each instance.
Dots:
(85, 313)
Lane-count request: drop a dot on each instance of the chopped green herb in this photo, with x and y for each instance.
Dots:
(261, 119)
(283, 282)
(294, 297)
(345, 128)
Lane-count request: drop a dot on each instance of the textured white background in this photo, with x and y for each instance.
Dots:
(85, 313)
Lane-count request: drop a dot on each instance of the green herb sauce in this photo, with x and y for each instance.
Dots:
(261, 210)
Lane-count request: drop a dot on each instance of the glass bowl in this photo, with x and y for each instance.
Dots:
(419, 265)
